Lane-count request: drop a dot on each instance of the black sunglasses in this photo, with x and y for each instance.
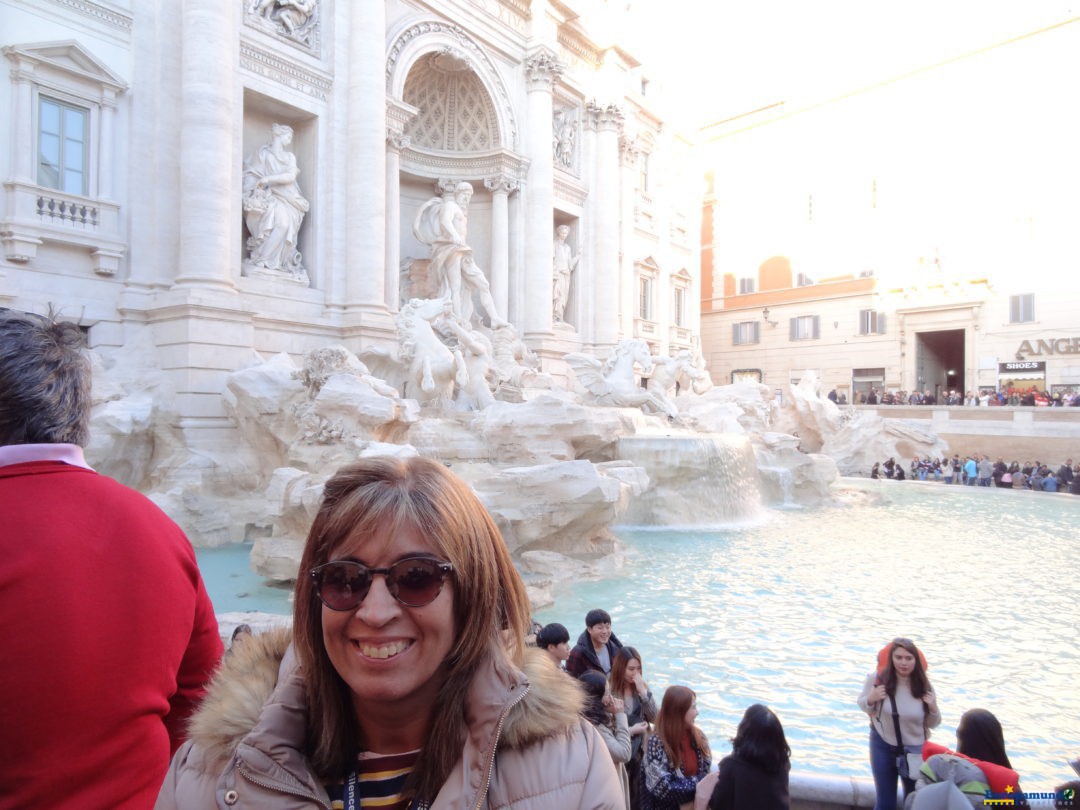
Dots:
(413, 581)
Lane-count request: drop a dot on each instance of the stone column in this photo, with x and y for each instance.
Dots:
(541, 71)
(394, 144)
(516, 287)
(608, 121)
(365, 170)
(25, 149)
(208, 177)
(629, 151)
(500, 187)
(105, 177)
(398, 115)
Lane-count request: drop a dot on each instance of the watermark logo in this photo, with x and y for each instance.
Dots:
(1011, 797)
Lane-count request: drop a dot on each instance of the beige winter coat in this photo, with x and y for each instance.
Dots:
(246, 743)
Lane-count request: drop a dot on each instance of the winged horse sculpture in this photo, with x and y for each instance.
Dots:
(612, 382)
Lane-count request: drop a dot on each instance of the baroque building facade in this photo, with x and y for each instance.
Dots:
(918, 234)
(150, 149)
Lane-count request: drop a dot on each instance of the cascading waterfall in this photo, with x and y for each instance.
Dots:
(694, 480)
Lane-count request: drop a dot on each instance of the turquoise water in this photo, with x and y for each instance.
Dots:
(233, 586)
(791, 612)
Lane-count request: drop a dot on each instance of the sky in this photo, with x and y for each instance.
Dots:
(735, 56)
(975, 160)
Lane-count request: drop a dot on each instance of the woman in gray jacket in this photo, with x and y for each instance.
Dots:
(407, 678)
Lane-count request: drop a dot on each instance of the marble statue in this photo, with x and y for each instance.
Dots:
(274, 208)
(564, 134)
(294, 18)
(665, 377)
(696, 375)
(431, 365)
(682, 373)
(442, 223)
(565, 263)
(515, 363)
(612, 382)
(475, 393)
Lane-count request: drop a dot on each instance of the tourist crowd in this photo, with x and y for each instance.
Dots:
(672, 768)
(1032, 397)
(979, 470)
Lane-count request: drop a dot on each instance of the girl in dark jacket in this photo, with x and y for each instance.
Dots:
(754, 776)
(677, 756)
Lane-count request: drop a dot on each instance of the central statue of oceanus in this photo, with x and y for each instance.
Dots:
(442, 223)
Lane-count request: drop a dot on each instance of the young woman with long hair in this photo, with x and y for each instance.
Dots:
(407, 679)
(754, 776)
(898, 694)
(978, 764)
(677, 756)
(627, 683)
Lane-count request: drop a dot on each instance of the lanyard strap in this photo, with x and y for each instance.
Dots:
(351, 784)
(896, 725)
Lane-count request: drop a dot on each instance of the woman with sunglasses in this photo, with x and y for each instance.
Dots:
(407, 681)
(627, 684)
(677, 756)
(898, 696)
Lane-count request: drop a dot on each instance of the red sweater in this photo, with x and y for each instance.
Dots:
(108, 638)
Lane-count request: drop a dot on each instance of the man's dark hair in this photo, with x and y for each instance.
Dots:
(553, 633)
(597, 616)
(44, 381)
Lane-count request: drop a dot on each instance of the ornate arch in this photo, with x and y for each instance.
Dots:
(418, 37)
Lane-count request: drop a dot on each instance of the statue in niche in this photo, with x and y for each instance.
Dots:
(293, 18)
(565, 264)
(442, 223)
(274, 208)
(564, 134)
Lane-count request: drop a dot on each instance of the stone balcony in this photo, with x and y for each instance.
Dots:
(34, 215)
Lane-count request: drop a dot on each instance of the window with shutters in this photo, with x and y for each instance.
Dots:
(1022, 308)
(805, 327)
(746, 332)
(871, 322)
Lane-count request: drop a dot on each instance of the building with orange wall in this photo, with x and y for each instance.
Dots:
(918, 234)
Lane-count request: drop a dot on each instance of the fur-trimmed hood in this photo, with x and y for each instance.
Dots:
(249, 674)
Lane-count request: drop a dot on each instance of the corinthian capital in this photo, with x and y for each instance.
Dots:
(605, 117)
(501, 183)
(396, 141)
(629, 149)
(543, 69)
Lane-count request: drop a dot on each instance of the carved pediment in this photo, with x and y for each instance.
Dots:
(69, 57)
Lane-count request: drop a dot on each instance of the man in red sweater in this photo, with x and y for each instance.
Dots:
(108, 634)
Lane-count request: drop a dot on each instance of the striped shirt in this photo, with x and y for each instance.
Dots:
(379, 780)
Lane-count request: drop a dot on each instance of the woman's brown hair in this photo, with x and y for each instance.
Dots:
(489, 600)
(617, 676)
(920, 683)
(671, 724)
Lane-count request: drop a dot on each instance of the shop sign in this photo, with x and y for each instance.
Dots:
(1055, 346)
(1028, 365)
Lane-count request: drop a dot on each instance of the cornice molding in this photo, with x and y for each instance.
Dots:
(113, 17)
(467, 166)
(284, 71)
